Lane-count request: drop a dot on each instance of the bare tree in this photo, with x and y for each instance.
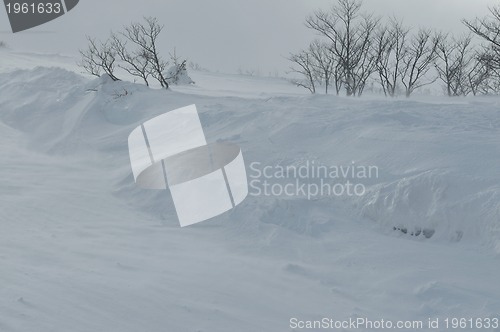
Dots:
(488, 28)
(490, 70)
(454, 57)
(446, 67)
(391, 47)
(418, 60)
(99, 57)
(134, 50)
(136, 63)
(304, 65)
(383, 49)
(364, 57)
(324, 63)
(338, 77)
(350, 33)
(479, 74)
(145, 35)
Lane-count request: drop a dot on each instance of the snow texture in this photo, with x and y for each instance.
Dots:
(82, 248)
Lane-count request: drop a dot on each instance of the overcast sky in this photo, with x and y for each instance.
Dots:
(226, 34)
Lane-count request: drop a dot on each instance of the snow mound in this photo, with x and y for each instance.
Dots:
(435, 196)
(434, 203)
(178, 76)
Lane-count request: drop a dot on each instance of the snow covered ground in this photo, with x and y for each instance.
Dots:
(83, 249)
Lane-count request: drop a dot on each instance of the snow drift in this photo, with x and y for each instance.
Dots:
(84, 249)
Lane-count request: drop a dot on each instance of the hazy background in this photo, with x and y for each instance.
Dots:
(225, 35)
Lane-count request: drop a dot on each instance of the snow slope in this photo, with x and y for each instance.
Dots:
(83, 249)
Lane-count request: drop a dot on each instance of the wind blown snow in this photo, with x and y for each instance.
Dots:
(83, 249)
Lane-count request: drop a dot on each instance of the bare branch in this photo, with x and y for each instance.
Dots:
(136, 64)
(419, 57)
(99, 58)
(350, 34)
(145, 35)
(305, 67)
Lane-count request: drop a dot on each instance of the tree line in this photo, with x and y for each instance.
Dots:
(355, 47)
